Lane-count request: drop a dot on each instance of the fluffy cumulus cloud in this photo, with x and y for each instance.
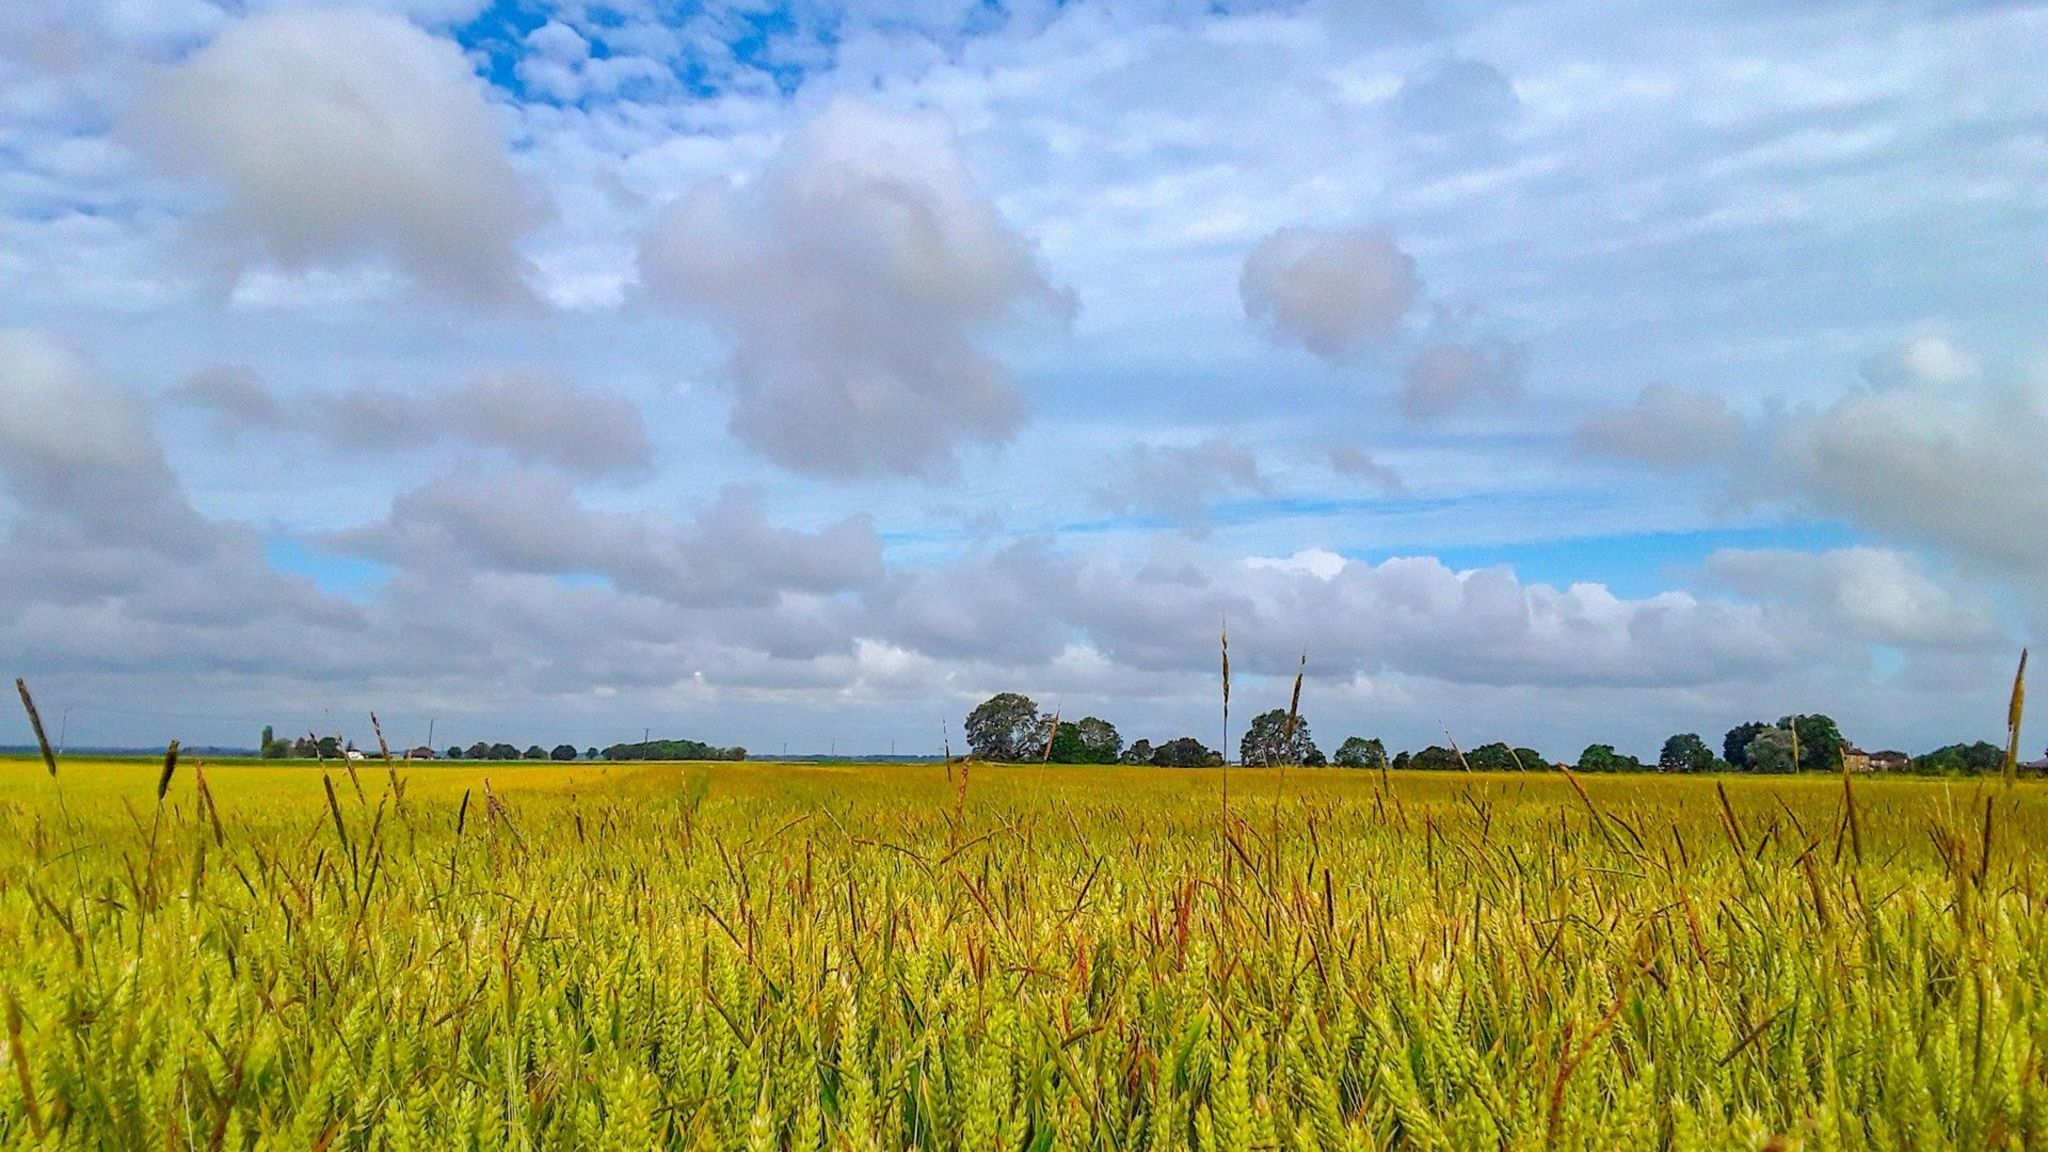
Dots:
(1667, 428)
(1879, 594)
(856, 276)
(81, 457)
(1352, 461)
(1411, 617)
(1179, 481)
(109, 565)
(338, 136)
(1936, 456)
(1332, 292)
(1444, 378)
(534, 523)
(585, 429)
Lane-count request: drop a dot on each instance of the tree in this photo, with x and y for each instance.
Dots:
(1497, 757)
(1066, 744)
(479, 751)
(1961, 760)
(454, 752)
(1685, 752)
(1735, 745)
(535, 752)
(1138, 753)
(1603, 758)
(1100, 739)
(590, 753)
(329, 748)
(502, 752)
(1436, 758)
(269, 738)
(1186, 752)
(1267, 741)
(1359, 752)
(1820, 741)
(1092, 741)
(563, 752)
(1402, 760)
(304, 748)
(1006, 726)
(1771, 750)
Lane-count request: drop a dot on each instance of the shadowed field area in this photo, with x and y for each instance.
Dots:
(828, 957)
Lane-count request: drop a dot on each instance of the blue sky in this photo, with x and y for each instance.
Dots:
(806, 372)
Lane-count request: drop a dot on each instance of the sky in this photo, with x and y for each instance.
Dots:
(797, 375)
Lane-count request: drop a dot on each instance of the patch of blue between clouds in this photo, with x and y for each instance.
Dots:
(1638, 564)
(350, 577)
(496, 40)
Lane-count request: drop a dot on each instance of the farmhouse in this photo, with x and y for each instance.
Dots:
(1857, 760)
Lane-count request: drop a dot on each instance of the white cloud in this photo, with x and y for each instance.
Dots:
(340, 136)
(1332, 292)
(1667, 428)
(533, 523)
(1442, 378)
(1878, 594)
(585, 429)
(1935, 458)
(1178, 481)
(1353, 461)
(855, 276)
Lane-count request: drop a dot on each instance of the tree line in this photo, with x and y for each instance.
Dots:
(1009, 727)
(309, 747)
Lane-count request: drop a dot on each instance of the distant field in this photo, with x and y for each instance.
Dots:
(835, 957)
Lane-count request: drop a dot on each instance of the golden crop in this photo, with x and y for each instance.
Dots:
(757, 956)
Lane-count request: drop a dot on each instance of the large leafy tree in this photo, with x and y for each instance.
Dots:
(1961, 759)
(1686, 752)
(1498, 757)
(1092, 741)
(1101, 740)
(1435, 758)
(563, 752)
(1185, 752)
(1603, 758)
(1359, 752)
(1267, 740)
(1820, 741)
(1139, 752)
(1735, 745)
(1771, 750)
(1006, 726)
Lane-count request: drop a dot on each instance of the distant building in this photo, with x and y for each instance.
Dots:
(352, 754)
(422, 753)
(1857, 760)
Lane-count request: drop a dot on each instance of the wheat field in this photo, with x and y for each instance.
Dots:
(891, 957)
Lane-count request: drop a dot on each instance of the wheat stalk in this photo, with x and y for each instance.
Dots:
(2013, 714)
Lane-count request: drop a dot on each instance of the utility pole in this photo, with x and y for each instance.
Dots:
(430, 735)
